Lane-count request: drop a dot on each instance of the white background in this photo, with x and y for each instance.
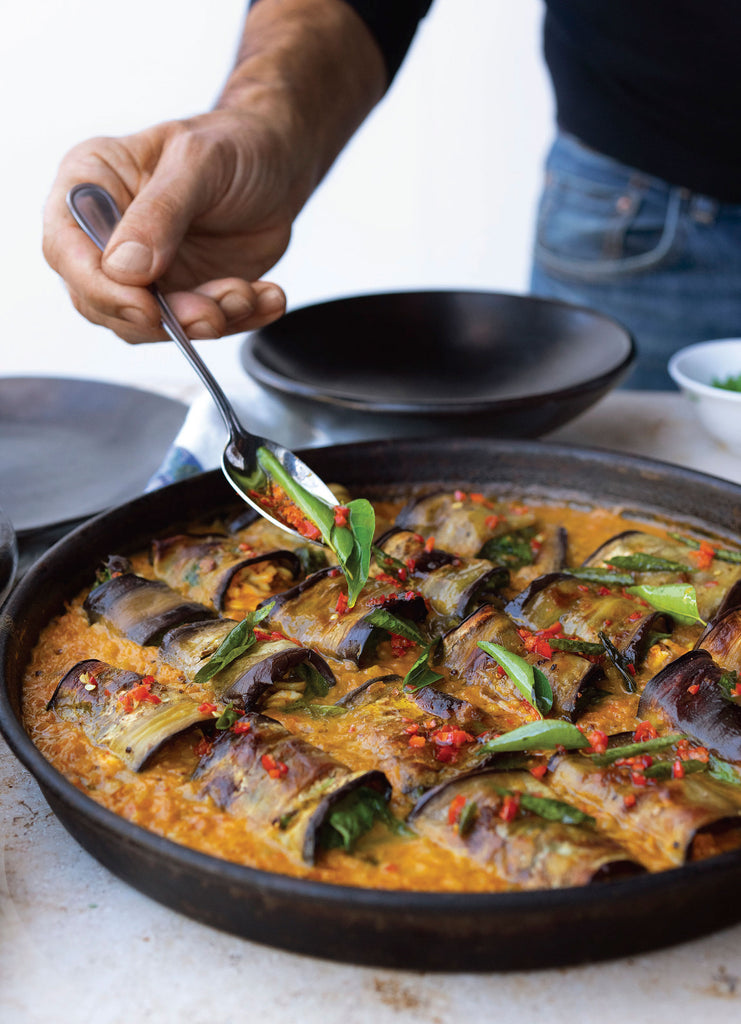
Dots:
(437, 190)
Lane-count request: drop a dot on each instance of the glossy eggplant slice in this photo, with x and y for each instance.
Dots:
(142, 609)
(658, 821)
(571, 677)
(415, 737)
(315, 613)
(722, 640)
(451, 585)
(285, 788)
(272, 659)
(585, 610)
(687, 694)
(222, 572)
(484, 817)
(717, 585)
(128, 714)
(462, 522)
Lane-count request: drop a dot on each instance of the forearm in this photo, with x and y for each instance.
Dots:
(313, 69)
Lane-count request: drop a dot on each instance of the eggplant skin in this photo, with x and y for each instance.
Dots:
(142, 609)
(707, 715)
(291, 805)
(528, 852)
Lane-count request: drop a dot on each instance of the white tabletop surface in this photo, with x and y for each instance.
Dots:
(77, 944)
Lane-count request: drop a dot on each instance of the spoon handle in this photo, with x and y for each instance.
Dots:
(97, 214)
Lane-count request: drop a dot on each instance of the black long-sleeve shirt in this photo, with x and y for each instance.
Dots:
(655, 84)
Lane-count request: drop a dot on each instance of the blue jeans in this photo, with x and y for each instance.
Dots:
(662, 260)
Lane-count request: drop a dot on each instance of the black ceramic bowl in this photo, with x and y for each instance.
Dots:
(440, 362)
(413, 930)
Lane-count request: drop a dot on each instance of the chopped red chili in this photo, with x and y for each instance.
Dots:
(644, 731)
(510, 806)
(341, 515)
(454, 810)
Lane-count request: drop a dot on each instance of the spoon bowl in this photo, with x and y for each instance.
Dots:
(97, 214)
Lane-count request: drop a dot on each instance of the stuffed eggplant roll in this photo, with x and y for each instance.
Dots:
(141, 609)
(696, 696)
(128, 714)
(658, 817)
(571, 677)
(246, 662)
(316, 613)
(657, 560)
(452, 585)
(512, 825)
(288, 790)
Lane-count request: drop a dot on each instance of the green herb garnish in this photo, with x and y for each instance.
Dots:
(723, 771)
(544, 735)
(574, 646)
(642, 562)
(228, 717)
(234, 645)
(676, 599)
(608, 577)
(723, 554)
(729, 383)
(665, 769)
(528, 679)
(635, 749)
(511, 549)
(351, 544)
(468, 817)
(389, 564)
(353, 816)
(420, 674)
(555, 810)
(393, 624)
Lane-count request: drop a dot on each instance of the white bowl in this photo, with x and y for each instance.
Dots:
(694, 369)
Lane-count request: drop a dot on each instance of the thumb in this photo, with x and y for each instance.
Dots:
(147, 239)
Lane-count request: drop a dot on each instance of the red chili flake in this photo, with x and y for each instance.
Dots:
(245, 547)
(447, 755)
(510, 806)
(459, 495)
(275, 769)
(736, 691)
(203, 747)
(644, 731)
(539, 770)
(411, 564)
(500, 672)
(583, 587)
(635, 616)
(698, 754)
(535, 643)
(492, 522)
(479, 499)
(446, 737)
(207, 708)
(607, 622)
(454, 810)
(597, 741)
(341, 513)
(341, 606)
(629, 800)
(241, 727)
(703, 556)
(391, 868)
(631, 668)
(678, 769)
(400, 645)
(334, 573)
(604, 591)
(535, 545)
(264, 634)
(413, 728)
(385, 578)
(417, 741)
(693, 689)
(638, 778)
(555, 630)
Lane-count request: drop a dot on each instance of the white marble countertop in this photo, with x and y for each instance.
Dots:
(76, 944)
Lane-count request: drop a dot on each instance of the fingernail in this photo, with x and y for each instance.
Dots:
(130, 258)
(202, 329)
(234, 305)
(270, 300)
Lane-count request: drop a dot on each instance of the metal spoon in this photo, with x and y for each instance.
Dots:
(97, 214)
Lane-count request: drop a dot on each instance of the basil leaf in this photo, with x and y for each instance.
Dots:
(544, 735)
(555, 810)
(227, 718)
(468, 817)
(316, 684)
(723, 771)
(350, 543)
(420, 674)
(641, 562)
(676, 599)
(576, 646)
(353, 816)
(619, 661)
(530, 681)
(392, 624)
(665, 769)
(606, 576)
(635, 749)
(728, 682)
(234, 645)
(510, 549)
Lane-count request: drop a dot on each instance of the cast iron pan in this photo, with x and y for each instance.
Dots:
(423, 931)
(442, 362)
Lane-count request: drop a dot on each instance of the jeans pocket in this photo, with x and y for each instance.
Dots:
(606, 224)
